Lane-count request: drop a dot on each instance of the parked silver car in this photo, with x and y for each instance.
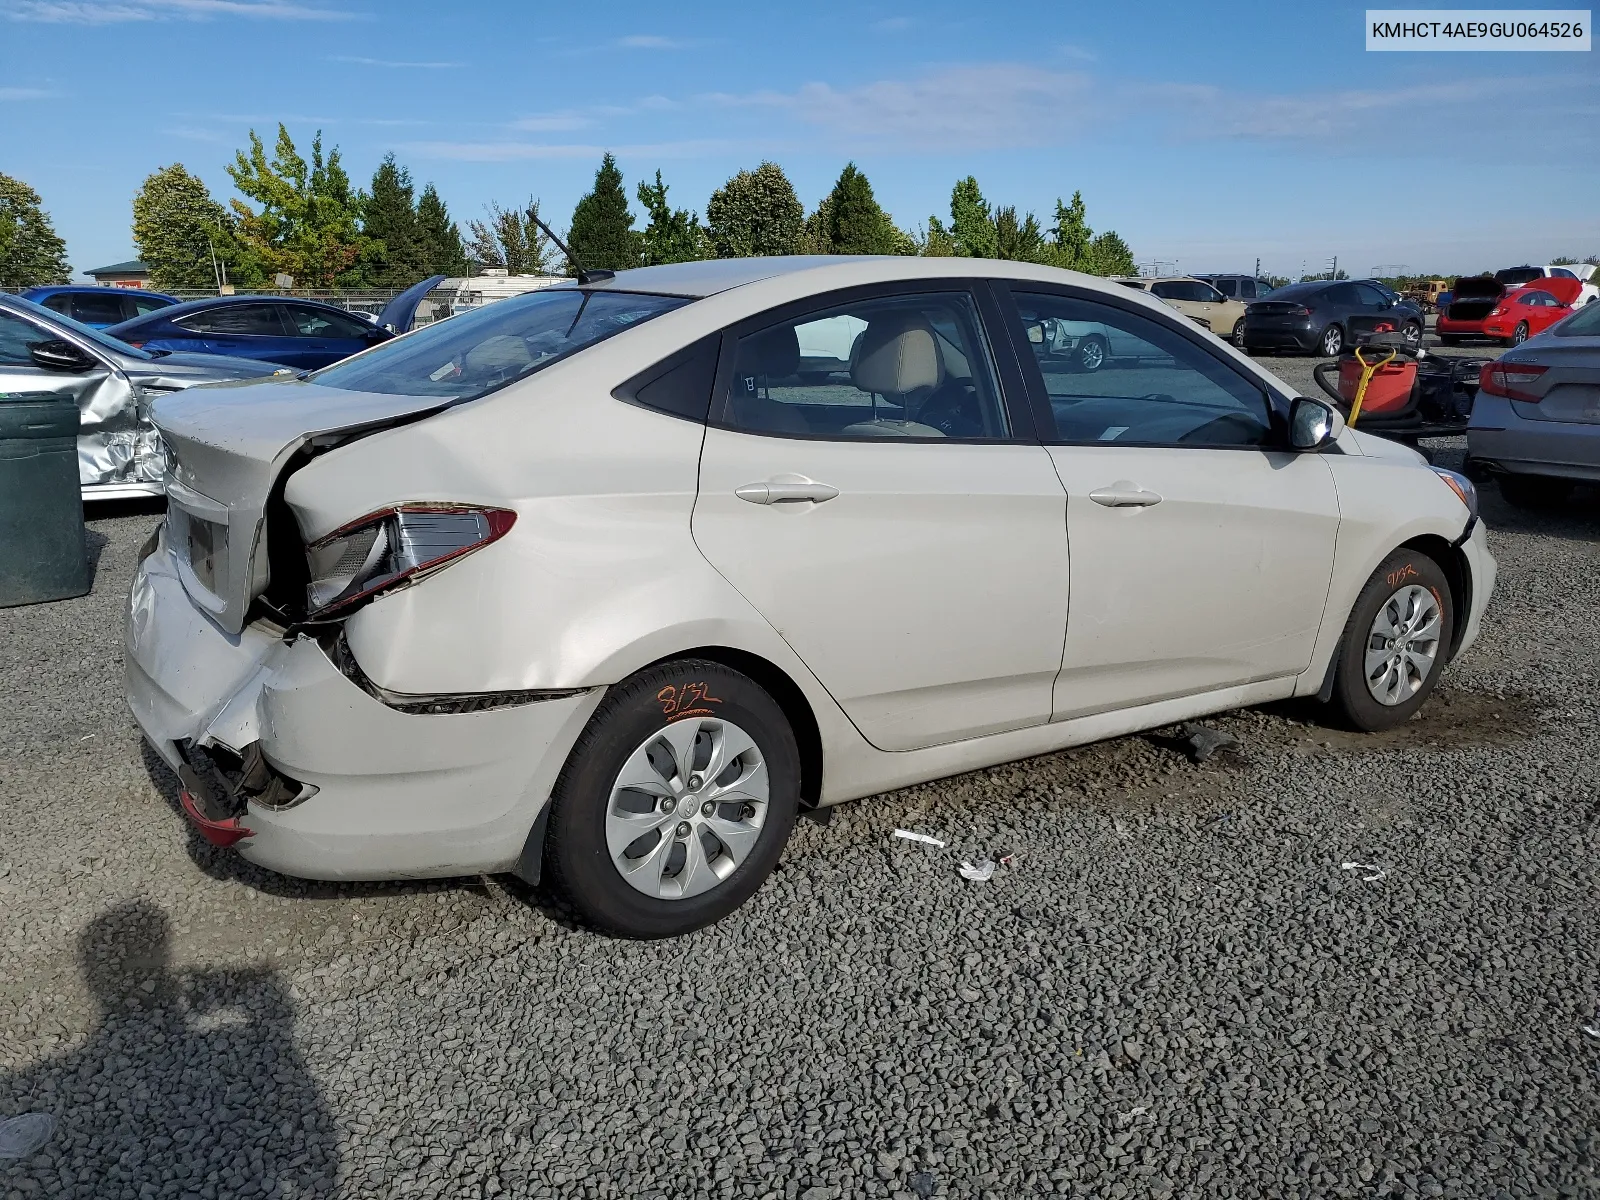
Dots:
(1536, 421)
(119, 452)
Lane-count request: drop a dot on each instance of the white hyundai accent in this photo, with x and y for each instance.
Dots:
(612, 580)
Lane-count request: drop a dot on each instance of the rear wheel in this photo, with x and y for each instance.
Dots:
(676, 802)
(1395, 642)
(1331, 342)
(1412, 331)
(1534, 491)
(1238, 334)
(1091, 355)
(1520, 333)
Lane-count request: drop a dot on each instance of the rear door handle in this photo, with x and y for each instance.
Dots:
(786, 489)
(1124, 494)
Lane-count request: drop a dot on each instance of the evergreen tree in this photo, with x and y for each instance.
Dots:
(850, 221)
(182, 234)
(390, 221)
(971, 223)
(673, 235)
(602, 236)
(438, 240)
(756, 213)
(1070, 236)
(512, 239)
(1110, 255)
(309, 222)
(1020, 241)
(30, 251)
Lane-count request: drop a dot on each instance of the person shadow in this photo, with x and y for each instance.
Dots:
(189, 1085)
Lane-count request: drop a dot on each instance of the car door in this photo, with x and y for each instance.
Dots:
(107, 421)
(323, 336)
(1201, 548)
(891, 517)
(252, 329)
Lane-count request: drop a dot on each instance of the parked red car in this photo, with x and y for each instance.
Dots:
(1470, 302)
(1531, 309)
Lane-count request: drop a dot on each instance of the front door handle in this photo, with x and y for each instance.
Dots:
(1124, 494)
(786, 489)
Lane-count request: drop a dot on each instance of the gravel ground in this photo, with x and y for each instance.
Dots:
(1175, 990)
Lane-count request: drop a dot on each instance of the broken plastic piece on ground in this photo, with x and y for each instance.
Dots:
(21, 1136)
(1592, 1030)
(1129, 1117)
(1377, 871)
(1204, 741)
(1123, 831)
(918, 837)
(978, 872)
(1005, 858)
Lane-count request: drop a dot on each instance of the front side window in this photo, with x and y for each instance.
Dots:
(1247, 289)
(147, 304)
(16, 336)
(1371, 296)
(1561, 273)
(311, 322)
(61, 303)
(482, 350)
(249, 320)
(912, 366)
(1152, 385)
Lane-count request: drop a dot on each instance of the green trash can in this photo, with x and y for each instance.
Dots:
(43, 555)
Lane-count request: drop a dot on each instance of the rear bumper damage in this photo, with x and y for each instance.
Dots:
(288, 758)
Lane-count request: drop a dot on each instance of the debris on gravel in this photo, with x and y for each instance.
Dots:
(198, 1027)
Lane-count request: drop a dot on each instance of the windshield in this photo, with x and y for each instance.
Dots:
(1583, 323)
(485, 349)
(87, 332)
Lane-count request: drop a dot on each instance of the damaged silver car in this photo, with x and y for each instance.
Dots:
(119, 452)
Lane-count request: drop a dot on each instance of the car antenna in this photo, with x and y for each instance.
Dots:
(583, 276)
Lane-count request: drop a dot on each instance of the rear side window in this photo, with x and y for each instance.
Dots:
(98, 310)
(258, 320)
(1228, 287)
(61, 302)
(309, 322)
(485, 349)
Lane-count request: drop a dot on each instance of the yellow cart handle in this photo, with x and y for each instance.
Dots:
(1368, 370)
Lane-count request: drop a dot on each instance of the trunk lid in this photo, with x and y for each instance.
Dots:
(229, 443)
(1477, 287)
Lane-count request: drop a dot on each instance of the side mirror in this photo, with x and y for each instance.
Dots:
(57, 355)
(1313, 424)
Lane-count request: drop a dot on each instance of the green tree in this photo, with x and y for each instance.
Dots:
(438, 240)
(1110, 255)
(511, 238)
(673, 234)
(850, 221)
(1019, 241)
(756, 213)
(30, 251)
(308, 225)
(390, 221)
(178, 228)
(1070, 236)
(602, 236)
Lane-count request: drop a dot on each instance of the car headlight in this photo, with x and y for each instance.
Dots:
(1461, 486)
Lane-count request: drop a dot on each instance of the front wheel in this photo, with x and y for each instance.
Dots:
(1332, 341)
(676, 802)
(1395, 642)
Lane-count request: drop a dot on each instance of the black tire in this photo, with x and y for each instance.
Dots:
(1534, 491)
(1331, 342)
(1402, 569)
(1519, 334)
(1412, 332)
(1091, 355)
(1237, 337)
(576, 858)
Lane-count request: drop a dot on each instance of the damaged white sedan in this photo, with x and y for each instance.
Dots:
(611, 581)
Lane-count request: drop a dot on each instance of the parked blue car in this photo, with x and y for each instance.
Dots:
(304, 334)
(96, 306)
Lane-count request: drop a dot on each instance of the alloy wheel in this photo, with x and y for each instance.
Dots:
(1403, 645)
(686, 808)
(1332, 341)
(1092, 355)
(1520, 333)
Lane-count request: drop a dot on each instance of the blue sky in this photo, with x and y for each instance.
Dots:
(1206, 135)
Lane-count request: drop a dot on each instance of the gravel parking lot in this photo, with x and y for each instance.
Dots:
(1183, 986)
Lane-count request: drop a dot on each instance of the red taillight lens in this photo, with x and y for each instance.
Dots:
(388, 549)
(1510, 380)
(1301, 312)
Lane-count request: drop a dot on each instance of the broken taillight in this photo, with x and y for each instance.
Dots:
(397, 546)
(1510, 380)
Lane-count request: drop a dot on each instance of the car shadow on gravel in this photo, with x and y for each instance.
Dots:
(1451, 719)
(188, 1081)
(226, 866)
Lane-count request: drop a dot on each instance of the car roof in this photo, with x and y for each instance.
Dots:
(92, 289)
(210, 302)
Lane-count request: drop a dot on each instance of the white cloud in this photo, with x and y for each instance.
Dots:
(526, 151)
(652, 41)
(358, 61)
(552, 123)
(110, 12)
(982, 106)
(23, 93)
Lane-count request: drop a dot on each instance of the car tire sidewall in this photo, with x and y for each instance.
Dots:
(1403, 568)
(576, 857)
(1237, 337)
